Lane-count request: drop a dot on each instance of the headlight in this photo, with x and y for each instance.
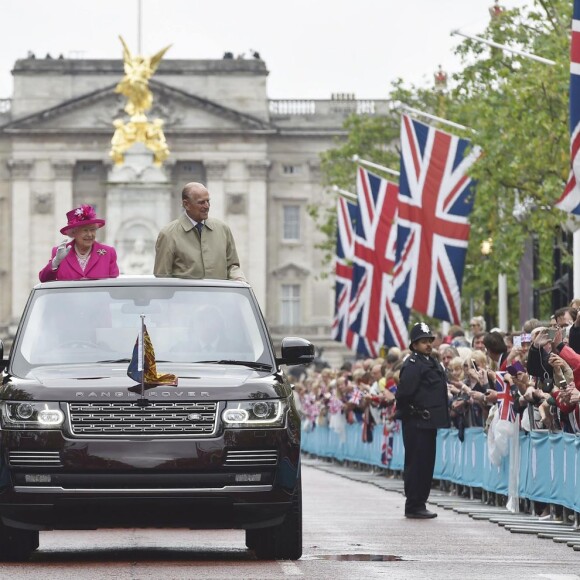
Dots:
(31, 415)
(255, 413)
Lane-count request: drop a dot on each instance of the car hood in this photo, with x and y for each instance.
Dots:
(110, 382)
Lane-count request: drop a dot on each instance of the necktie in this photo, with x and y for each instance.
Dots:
(199, 227)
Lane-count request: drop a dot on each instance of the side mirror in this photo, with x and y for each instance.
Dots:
(3, 363)
(296, 351)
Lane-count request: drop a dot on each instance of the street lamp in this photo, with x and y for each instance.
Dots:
(486, 247)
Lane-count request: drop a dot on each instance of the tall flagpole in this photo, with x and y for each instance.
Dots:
(139, 26)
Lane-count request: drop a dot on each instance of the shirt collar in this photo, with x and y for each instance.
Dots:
(192, 220)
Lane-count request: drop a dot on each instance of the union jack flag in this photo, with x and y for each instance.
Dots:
(435, 200)
(356, 396)
(570, 199)
(389, 430)
(345, 214)
(373, 315)
(505, 400)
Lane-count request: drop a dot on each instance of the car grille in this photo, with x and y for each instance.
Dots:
(35, 458)
(251, 458)
(158, 418)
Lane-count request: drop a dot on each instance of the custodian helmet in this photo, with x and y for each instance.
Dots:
(420, 330)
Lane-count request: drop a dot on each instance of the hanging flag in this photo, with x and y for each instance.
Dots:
(142, 368)
(435, 200)
(570, 199)
(505, 400)
(345, 213)
(373, 315)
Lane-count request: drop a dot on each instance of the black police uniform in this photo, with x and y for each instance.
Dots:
(422, 405)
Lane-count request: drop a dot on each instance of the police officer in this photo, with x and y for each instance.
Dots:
(423, 407)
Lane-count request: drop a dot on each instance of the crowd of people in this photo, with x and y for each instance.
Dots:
(539, 366)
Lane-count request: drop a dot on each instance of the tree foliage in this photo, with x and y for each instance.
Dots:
(518, 111)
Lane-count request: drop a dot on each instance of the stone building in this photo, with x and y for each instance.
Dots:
(260, 159)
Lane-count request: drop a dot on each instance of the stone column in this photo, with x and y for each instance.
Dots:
(63, 194)
(20, 170)
(215, 173)
(256, 268)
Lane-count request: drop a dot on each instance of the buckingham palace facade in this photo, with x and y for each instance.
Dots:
(260, 159)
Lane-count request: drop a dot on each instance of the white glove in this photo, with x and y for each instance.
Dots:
(61, 253)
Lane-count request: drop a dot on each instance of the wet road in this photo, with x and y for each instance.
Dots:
(346, 524)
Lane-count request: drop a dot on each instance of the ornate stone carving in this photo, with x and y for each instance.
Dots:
(42, 203)
(236, 203)
(215, 170)
(258, 169)
(290, 271)
(63, 169)
(20, 168)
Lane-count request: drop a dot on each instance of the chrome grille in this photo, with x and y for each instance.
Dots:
(158, 418)
(251, 458)
(34, 458)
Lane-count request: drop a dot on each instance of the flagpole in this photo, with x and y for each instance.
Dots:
(504, 47)
(344, 193)
(139, 26)
(357, 159)
(434, 117)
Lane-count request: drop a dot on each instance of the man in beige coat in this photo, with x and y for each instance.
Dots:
(194, 245)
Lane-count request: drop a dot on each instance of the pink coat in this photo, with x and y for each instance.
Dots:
(102, 264)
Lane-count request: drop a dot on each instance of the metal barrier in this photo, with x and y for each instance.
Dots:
(547, 469)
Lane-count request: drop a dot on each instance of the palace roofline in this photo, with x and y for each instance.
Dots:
(166, 67)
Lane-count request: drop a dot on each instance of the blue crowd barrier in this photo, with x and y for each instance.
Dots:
(549, 463)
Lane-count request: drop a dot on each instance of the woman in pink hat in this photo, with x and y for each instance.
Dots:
(83, 257)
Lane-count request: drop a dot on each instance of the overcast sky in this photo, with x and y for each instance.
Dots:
(312, 48)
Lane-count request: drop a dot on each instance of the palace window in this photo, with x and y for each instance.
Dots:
(291, 223)
(288, 169)
(290, 305)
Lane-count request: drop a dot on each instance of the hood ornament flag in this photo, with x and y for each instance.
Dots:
(142, 367)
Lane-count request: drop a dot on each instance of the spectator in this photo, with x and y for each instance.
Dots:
(477, 341)
(565, 316)
(477, 324)
(496, 349)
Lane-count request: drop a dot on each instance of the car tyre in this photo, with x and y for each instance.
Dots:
(283, 542)
(16, 545)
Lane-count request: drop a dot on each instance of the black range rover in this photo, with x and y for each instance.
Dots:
(83, 446)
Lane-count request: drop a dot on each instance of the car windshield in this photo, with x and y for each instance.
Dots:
(101, 324)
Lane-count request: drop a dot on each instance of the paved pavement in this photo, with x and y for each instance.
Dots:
(353, 528)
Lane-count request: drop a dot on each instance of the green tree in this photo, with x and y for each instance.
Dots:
(518, 111)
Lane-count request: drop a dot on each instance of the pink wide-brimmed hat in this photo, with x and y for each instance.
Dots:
(82, 216)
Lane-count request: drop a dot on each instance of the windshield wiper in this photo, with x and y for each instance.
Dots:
(243, 363)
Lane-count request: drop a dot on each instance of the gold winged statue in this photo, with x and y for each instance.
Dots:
(135, 86)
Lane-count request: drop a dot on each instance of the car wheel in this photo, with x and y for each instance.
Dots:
(283, 542)
(16, 545)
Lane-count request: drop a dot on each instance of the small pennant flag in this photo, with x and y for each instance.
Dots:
(142, 367)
